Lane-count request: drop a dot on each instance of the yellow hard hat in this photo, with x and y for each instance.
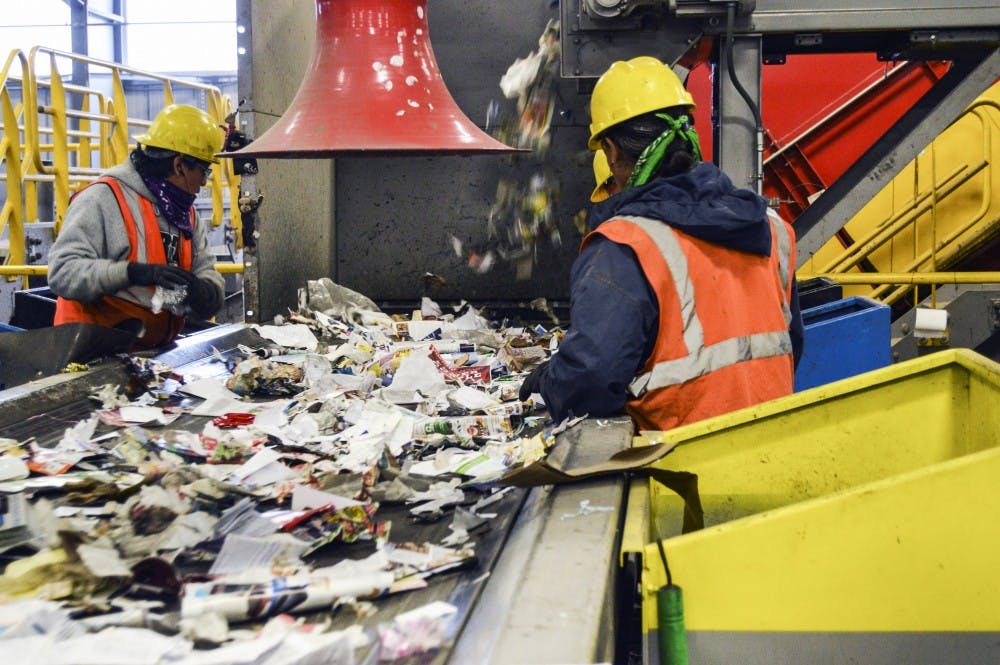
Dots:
(630, 89)
(602, 172)
(187, 130)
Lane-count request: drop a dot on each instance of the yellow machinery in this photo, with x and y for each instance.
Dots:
(853, 520)
(937, 212)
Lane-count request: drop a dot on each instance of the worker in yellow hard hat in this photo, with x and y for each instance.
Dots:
(132, 247)
(684, 303)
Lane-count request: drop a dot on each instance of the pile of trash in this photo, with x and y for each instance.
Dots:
(163, 544)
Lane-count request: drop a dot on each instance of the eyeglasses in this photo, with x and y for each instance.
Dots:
(206, 168)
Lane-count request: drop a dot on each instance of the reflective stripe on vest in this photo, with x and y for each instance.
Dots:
(784, 247)
(701, 359)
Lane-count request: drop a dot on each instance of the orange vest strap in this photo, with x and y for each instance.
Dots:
(154, 242)
(184, 251)
(127, 218)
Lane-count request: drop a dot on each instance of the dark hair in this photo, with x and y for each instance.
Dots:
(158, 167)
(633, 135)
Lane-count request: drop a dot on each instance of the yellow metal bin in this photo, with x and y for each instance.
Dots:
(856, 522)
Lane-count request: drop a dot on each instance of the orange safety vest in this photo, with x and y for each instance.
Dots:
(161, 328)
(723, 342)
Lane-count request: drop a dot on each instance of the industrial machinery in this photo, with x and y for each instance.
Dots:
(379, 220)
(430, 199)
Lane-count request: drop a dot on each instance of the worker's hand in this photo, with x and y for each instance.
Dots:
(158, 274)
(533, 382)
(203, 298)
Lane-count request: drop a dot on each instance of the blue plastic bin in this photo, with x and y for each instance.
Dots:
(843, 338)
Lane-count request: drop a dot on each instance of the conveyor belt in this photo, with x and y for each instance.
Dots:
(44, 410)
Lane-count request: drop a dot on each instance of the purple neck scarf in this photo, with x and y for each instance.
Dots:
(175, 203)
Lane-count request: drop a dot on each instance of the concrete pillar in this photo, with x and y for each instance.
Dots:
(296, 220)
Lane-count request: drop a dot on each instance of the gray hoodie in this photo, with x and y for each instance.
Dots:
(89, 257)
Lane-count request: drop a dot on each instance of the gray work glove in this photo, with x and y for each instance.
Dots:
(158, 274)
(203, 298)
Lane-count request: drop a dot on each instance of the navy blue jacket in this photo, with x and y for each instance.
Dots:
(614, 313)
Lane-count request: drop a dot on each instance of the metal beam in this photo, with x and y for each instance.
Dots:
(783, 16)
(735, 134)
(938, 108)
(523, 615)
(244, 78)
(79, 44)
(895, 29)
(110, 17)
(118, 32)
(78, 41)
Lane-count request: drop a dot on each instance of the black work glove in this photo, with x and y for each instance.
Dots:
(203, 298)
(158, 274)
(533, 382)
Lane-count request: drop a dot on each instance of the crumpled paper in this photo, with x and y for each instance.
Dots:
(415, 631)
(171, 299)
(341, 302)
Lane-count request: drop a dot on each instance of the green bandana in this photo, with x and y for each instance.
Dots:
(651, 158)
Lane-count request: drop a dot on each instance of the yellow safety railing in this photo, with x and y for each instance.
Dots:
(15, 154)
(39, 145)
(907, 278)
(38, 270)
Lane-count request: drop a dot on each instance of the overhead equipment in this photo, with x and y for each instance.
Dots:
(373, 87)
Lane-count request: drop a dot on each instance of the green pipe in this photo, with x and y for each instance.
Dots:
(672, 635)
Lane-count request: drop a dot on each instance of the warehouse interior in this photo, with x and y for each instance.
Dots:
(853, 520)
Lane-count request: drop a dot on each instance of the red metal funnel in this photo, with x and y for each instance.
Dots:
(372, 88)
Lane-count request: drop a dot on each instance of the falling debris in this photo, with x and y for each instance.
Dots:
(521, 216)
(532, 81)
(523, 213)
